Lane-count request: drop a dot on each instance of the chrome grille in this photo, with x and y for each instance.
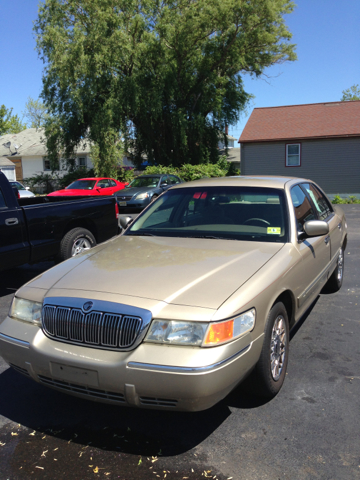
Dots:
(124, 197)
(97, 329)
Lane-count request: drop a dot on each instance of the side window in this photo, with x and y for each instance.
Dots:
(103, 184)
(112, 183)
(302, 206)
(173, 180)
(323, 208)
(2, 200)
(165, 179)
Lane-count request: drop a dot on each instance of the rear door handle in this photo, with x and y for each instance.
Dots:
(11, 221)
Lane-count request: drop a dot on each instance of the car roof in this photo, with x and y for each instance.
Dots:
(95, 178)
(265, 181)
(152, 175)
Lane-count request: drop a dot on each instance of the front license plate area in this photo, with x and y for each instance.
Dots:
(76, 375)
(122, 204)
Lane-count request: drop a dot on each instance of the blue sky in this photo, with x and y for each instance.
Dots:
(326, 32)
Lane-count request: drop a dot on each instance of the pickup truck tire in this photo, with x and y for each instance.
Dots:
(76, 241)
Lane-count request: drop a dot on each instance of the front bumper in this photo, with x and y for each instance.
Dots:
(150, 376)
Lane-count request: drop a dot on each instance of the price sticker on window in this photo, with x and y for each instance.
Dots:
(274, 230)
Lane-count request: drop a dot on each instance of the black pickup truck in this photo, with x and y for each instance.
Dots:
(39, 228)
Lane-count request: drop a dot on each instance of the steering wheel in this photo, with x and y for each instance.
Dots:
(257, 220)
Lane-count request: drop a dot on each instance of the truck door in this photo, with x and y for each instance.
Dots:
(14, 249)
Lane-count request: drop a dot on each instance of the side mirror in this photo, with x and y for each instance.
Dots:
(27, 188)
(125, 222)
(164, 184)
(316, 228)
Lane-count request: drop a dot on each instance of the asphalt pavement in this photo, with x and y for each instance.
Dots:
(309, 431)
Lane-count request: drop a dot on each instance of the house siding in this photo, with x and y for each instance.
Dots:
(334, 164)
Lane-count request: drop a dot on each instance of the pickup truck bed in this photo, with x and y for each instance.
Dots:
(39, 228)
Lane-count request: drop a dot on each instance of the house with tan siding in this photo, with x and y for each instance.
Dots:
(319, 141)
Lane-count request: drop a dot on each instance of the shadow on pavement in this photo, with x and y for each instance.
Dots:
(107, 427)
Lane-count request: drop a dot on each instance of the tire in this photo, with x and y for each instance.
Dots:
(76, 241)
(335, 281)
(269, 374)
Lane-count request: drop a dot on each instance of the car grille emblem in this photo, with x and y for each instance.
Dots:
(87, 306)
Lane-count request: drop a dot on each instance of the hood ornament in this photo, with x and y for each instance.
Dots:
(87, 306)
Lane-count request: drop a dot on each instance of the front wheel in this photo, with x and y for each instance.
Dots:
(269, 373)
(76, 241)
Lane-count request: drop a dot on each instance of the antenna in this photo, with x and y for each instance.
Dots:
(7, 144)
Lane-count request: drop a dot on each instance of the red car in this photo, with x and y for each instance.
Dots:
(91, 186)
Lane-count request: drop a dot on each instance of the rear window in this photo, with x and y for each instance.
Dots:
(232, 213)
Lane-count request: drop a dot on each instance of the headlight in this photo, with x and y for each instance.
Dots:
(200, 334)
(26, 310)
(176, 333)
(142, 196)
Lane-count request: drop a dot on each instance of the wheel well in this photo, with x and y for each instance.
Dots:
(345, 243)
(81, 224)
(288, 300)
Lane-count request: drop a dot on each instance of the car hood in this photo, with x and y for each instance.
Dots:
(180, 271)
(134, 191)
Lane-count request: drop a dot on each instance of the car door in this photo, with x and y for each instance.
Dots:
(325, 211)
(114, 187)
(104, 187)
(314, 251)
(14, 250)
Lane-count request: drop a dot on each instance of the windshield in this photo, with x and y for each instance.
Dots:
(82, 185)
(17, 185)
(144, 182)
(231, 213)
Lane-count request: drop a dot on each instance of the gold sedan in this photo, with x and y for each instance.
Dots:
(199, 292)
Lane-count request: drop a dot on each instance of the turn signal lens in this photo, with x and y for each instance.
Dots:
(220, 332)
(227, 331)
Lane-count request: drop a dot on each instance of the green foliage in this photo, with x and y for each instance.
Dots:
(188, 172)
(232, 171)
(46, 182)
(167, 75)
(351, 94)
(124, 174)
(10, 123)
(35, 113)
(106, 153)
(351, 199)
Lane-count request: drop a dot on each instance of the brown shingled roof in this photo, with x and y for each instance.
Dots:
(316, 120)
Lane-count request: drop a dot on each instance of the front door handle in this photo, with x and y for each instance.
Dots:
(327, 240)
(11, 221)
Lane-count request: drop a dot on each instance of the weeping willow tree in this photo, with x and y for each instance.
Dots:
(166, 74)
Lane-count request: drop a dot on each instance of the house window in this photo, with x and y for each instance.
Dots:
(293, 155)
(47, 165)
(82, 161)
